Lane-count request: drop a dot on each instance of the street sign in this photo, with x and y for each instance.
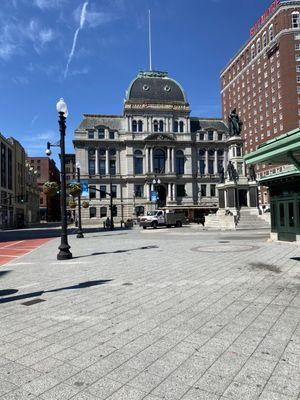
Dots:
(85, 188)
(153, 196)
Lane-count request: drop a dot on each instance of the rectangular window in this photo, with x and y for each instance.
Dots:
(92, 192)
(102, 192)
(211, 167)
(111, 134)
(91, 135)
(138, 165)
(112, 167)
(102, 168)
(103, 212)
(139, 190)
(114, 191)
(203, 190)
(291, 215)
(281, 214)
(180, 190)
(3, 165)
(212, 190)
(220, 136)
(101, 133)
(210, 135)
(202, 167)
(92, 170)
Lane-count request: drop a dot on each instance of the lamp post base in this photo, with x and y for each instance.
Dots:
(79, 235)
(64, 252)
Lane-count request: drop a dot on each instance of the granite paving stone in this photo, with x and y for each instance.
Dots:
(164, 321)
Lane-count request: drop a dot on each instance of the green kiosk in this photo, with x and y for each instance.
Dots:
(282, 155)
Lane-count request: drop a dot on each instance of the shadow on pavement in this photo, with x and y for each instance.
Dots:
(2, 273)
(295, 258)
(118, 251)
(45, 233)
(81, 285)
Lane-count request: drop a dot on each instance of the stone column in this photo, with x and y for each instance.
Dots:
(96, 162)
(216, 162)
(174, 192)
(148, 191)
(151, 159)
(173, 169)
(107, 162)
(147, 160)
(168, 160)
(169, 192)
(206, 162)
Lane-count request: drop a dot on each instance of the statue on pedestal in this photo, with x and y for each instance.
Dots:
(252, 173)
(222, 175)
(231, 171)
(234, 124)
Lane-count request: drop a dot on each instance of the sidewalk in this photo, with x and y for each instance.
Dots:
(165, 314)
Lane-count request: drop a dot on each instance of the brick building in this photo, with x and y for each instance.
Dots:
(262, 81)
(46, 171)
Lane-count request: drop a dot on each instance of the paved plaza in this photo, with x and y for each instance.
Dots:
(157, 314)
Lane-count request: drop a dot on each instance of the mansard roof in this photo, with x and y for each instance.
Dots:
(91, 121)
(199, 124)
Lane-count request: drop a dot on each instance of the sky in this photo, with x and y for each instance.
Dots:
(88, 52)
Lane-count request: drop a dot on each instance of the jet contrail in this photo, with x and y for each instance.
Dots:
(82, 20)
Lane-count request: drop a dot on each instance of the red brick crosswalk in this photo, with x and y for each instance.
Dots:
(10, 251)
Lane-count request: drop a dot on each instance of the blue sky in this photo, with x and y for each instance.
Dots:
(192, 40)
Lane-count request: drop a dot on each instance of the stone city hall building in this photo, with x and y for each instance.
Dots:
(155, 146)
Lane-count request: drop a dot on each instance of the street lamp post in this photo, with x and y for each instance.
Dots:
(156, 181)
(112, 227)
(64, 248)
(79, 231)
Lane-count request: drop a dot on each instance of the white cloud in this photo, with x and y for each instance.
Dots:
(94, 18)
(46, 4)
(15, 35)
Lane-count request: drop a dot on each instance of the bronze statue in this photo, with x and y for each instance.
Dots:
(222, 175)
(232, 174)
(252, 173)
(234, 124)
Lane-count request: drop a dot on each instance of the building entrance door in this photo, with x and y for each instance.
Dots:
(286, 223)
(162, 196)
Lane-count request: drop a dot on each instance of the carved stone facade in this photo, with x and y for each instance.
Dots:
(155, 146)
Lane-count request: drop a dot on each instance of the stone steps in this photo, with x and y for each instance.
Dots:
(250, 221)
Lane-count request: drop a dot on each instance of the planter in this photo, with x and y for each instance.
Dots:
(72, 204)
(85, 204)
(75, 189)
(50, 188)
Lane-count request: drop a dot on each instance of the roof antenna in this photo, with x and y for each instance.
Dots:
(150, 44)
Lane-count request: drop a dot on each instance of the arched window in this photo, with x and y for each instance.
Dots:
(140, 126)
(93, 212)
(161, 125)
(155, 125)
(181, 126)
(258, 46)
(102, 164)
(179, 162)
(202, 163)
(252, 52)
(264, 39)
(134, 126)
(112, 161)
(271, 33)
(175, 126)
(138, 162)
(159, 160)
(211, 162)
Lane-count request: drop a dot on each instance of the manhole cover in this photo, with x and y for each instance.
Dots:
(32, 302)
(225, 248)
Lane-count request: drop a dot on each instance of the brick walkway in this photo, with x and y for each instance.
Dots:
(167, 314)
(9, 251)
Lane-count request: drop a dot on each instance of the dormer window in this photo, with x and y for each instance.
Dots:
(210, 135)
(101, 133)
(181, 125)
(155, 125)
(175, 126)
(91, 135)
(161, 126)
